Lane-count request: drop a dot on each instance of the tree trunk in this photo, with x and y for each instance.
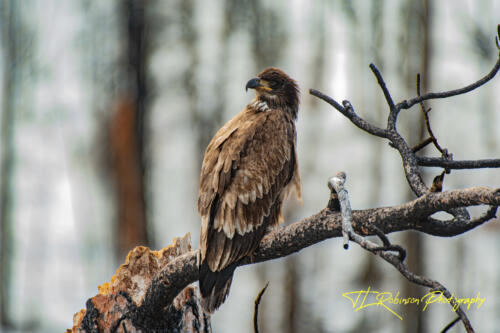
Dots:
(11, 30)
(127, 132)
(417, 43)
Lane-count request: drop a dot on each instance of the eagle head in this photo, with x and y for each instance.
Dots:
(275, 88)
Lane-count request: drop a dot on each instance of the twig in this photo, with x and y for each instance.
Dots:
(393, 110)
(450, 164)
(397, 262)
(497, 37)
(450, 325)
(383, 86)
(350, 114)
(421, 145)
(256, 309)
(425, 113)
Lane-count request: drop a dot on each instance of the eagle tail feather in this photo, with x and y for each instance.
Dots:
(214, 286)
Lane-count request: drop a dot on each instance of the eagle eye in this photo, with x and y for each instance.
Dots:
(274, 84)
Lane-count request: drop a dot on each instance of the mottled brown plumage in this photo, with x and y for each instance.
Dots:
(249, 168)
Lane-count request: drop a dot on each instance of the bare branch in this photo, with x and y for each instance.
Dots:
(323, 225)
(450, 164)
(450, 325)
(256, 309)
(407, 155)
(350, 114)
(422, 145)
(383, 86)
(450, 228)
(406, 104)
(425, 113)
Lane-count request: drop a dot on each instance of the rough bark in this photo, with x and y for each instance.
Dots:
(115, 307)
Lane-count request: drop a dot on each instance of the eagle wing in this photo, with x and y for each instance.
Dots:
(248, 169)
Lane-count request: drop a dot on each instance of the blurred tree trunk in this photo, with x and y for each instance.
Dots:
(377, 39)
(11, 40)
(127, 132)
(488, 129)
(189, 40)
(297, 316)
(418, 15)
(371, 274)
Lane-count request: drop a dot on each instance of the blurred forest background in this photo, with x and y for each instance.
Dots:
(107, 107)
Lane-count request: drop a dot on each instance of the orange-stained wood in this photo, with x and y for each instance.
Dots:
(131, 227)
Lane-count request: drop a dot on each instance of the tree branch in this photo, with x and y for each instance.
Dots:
(406, 104)
(256, 309)
(425, 113)
(451, 164)
(323, 225)
(393, 111)
(450, 228)
(350, 114)
(408, 155)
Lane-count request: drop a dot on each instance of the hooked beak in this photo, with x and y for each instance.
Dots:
(253, 83)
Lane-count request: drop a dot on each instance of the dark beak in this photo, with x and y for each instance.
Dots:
(253, 83)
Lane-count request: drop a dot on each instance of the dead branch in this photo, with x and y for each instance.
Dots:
(407, 153)
(256, 309)
(432, 137)
(286, 240)
(444, 163)
(451, 324)
(411, 162)
(385, 251)
(178, 273)
(406, 104)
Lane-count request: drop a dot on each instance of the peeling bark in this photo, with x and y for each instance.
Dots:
(121, 304)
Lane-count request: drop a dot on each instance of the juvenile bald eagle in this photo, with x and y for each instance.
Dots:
(250, 166)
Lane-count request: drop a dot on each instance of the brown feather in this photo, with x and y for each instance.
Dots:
(226, 253)
(217, 248)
